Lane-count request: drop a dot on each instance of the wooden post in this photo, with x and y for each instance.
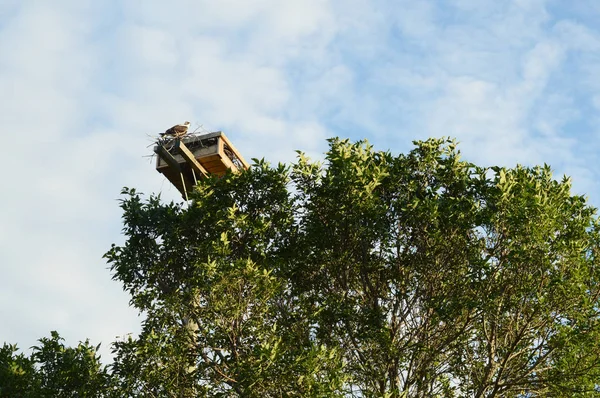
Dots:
(162, 152)
(183, 182)
(167, 157)
(189, 157)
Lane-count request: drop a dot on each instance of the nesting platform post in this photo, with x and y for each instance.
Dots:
(185, 160)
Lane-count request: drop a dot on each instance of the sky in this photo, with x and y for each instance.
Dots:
(86, 84)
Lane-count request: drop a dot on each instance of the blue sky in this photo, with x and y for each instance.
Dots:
(85, 84)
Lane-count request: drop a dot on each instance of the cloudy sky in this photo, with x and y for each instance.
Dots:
(84, 84)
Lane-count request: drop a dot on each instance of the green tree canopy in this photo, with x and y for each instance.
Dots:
(53, 370)
(368, 275)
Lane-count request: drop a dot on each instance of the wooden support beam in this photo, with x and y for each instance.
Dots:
(185, 195)
(237, 153)
(190, 159)
(228, 163)
(167, 157)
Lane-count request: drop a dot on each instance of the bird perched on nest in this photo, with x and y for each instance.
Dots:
(178, 130)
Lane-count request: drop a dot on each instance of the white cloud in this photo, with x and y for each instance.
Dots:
(77, 119)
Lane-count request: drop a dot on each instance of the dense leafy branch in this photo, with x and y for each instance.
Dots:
(368, 275)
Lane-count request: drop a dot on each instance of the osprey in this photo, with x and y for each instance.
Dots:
(177, 131)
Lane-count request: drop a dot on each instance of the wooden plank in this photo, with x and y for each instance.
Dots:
(227, 162)
(202, 151)
(220, 143)
(212, 163)
(167, 157)
(185, 195)
(235, 151)
(190, 159)
(218, 171)
(210, 158)
(172, 171)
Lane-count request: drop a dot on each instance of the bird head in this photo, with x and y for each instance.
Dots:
(186, 124)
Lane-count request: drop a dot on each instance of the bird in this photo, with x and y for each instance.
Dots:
(178, 130)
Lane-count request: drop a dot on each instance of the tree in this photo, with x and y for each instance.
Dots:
(53, 370)
(417, 275)
(16, 373)
(221, 321)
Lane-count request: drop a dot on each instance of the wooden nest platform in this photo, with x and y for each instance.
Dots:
(187, 159)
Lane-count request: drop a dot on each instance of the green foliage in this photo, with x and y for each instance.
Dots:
(220, 318)
(53, 370)
(16, 373)
(419, 275)
(369, 275)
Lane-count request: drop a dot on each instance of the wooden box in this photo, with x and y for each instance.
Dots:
(187, 159)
